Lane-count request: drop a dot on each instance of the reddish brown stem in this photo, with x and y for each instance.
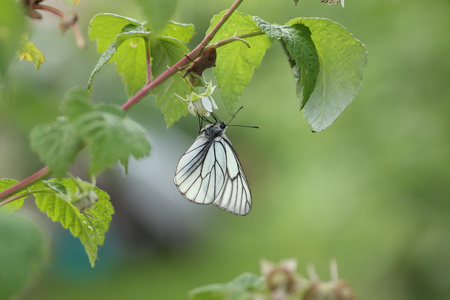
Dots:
(51, 9)
(192, 56)
(76, 31)
(42, 173)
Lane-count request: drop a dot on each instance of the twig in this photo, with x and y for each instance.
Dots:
(136, 98)
(42, 173)
(172, 70)
(149, 60)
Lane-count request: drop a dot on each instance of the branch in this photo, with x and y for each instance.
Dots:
(149, 60)
(150, 86)
(184, 61)
(236, 38)
(66, 21)
(42, 173)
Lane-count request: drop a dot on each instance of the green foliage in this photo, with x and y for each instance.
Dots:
(133, 38)
(342, 60)
(302, 54)
(327, 63)
(12, 25)
(10, 207)
(242, 287)
(235, 61)
(166, 52)
(107, 132)
(108, 30)
(326, 60)
(21, 251)
(57, 144)
(157, 12)
(60, 198)
(30, 52)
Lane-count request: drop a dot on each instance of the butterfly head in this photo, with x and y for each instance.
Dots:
(215, 129)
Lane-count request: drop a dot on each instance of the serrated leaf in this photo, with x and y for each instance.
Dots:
(301, 52)
(342, 59)
(179, 31)
(109, 134)
(31, 53)
(21, 253)
(57, 145)
(236, 62)
(158, 12)
(166, 52)
(130, 57)
(91, 227)
(57, 187)
(105, 27)
(114, 32)
(133, 74)
(12, 206)
(131, 64)
(12, 24)
(239, 288)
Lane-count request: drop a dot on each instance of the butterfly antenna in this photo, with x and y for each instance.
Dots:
(240, 125)
(235, 114)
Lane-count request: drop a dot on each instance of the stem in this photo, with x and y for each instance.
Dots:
(10, 199)
(81, 43)
(236, 38)
(51, 9)
(42, 173)
(149, 60)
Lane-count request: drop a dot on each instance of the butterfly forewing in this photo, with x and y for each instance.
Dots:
(210, 172)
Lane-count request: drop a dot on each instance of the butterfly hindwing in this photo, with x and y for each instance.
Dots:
(210, 172)
(235, 196)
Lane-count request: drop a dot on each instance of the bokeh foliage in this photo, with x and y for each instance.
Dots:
(371, 191)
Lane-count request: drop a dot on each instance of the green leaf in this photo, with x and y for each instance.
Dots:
(105, 28)
(342, 59)
(167, 51)
(301, 52)
(131, 67)
(21, 253)
(236, 62)
(109, 134)
(12, 206)
(112, 31)
(179, 31)
(89, 227)
(31, 53)
(12, 25)
(239, 288)
(157, 12)
(131, 64)
(57, 145)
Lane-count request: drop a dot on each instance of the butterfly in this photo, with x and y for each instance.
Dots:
(210, 172)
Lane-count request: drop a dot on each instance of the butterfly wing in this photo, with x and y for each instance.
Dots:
(201, 171)
(235, 196)
(210, 172)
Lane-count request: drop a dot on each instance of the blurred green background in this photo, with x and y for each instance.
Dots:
(372, 191)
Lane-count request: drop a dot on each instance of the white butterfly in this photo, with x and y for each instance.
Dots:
(210, 172)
